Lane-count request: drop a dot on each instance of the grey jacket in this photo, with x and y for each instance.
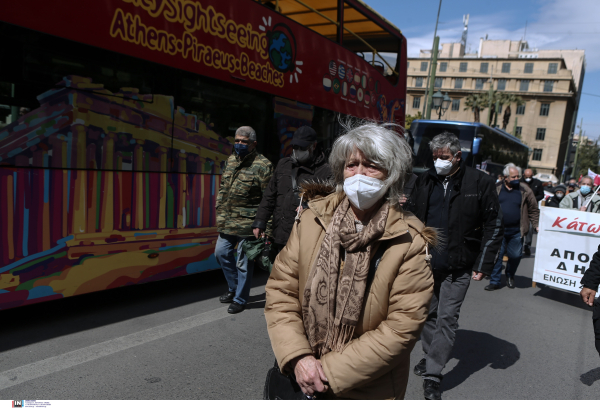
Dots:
(572, 201)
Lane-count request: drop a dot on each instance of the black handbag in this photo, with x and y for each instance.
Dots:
(281, 387)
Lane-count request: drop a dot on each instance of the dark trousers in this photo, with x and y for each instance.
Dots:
(512, 246)
(439, 333)
(596, 320)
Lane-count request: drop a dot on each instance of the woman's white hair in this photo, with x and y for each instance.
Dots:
(383, 145)
(509, 166)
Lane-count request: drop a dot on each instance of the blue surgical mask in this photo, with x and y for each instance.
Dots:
(241, 149)
(514, 183)
(585, 190)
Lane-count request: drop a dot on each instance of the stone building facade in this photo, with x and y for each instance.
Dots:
(549, 82)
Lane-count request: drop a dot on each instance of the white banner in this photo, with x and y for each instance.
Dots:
(566, 242)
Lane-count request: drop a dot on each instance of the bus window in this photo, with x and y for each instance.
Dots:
(424, 132)
(209, 112)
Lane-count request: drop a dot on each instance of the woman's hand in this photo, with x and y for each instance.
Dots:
(309, 374)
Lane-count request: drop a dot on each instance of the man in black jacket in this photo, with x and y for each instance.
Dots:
(538, 191)
(590, 282)
(462, 203)
(281, 199)
(559, 194)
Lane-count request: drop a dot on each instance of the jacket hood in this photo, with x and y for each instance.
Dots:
(323, 201)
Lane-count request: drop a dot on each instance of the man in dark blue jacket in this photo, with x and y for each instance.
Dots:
(462, 203)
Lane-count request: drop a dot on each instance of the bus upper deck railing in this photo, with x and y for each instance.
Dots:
(337, 23)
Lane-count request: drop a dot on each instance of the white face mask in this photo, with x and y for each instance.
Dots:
(363, 191)
(302, 156)
(528, 179)
(443, 167)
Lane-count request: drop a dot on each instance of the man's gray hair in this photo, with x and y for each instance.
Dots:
(587, 177)
(246, 131)
(509, 166)
(443, 140)
(380, 144)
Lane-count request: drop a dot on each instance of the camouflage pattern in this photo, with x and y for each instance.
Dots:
(240, 193)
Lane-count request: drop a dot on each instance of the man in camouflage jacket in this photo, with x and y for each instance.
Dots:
(246, 175)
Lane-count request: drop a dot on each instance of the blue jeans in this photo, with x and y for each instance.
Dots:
(512, 246)
(237, 273)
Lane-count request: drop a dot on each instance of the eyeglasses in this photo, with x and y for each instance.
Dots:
(242, 141)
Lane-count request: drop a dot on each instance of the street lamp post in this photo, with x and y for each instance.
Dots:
(441, 103)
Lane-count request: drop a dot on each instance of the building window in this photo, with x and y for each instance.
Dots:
(479, 83)
(416, 102)
(443, 66)
(462, 67)
(529, 67)
(407, 64)
(519, 130)
(458, 84)
(455, 104)
(438, 82)
(540, 134)
(544, 109)
(506, 67)
(424, 66)
(548, 86)
(521, 109)
(537, 154)
(553, 68)
(501, 84)
(483, 68)
(524, 85)
(419, 82)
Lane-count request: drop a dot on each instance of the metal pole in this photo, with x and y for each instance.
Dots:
(340, 17)
(14, 110)
(432, 82)
(570, 143)
(430, 58)
(490, 96)
(515, 127)
(574, 174)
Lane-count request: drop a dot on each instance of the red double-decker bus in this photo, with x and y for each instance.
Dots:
(117, 116)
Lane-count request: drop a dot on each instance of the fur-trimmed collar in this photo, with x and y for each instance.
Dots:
(312, 190)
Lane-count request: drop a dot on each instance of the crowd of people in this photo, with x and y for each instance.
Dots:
(372, 256)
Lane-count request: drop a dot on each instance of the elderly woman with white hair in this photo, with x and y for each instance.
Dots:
(349, 294)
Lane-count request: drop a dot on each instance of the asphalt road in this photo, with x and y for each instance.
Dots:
(174, 340)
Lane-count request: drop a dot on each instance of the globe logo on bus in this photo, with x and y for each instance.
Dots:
(280, 51)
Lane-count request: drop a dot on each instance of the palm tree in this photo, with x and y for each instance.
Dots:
(476, 102)
(507, 100)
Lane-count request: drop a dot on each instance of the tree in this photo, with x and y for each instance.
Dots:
(476, 103)
(410, 118)
(508, 99)
(589, 156)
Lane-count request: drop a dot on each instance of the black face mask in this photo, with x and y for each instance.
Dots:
(514, 183)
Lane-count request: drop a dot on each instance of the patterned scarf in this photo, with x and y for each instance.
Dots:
(332, 303)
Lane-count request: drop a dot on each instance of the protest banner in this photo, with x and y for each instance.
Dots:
(566, 242)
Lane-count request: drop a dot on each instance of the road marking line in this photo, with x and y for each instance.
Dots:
(54, 364)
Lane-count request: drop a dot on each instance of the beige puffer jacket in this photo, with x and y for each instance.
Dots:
(375, 364)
